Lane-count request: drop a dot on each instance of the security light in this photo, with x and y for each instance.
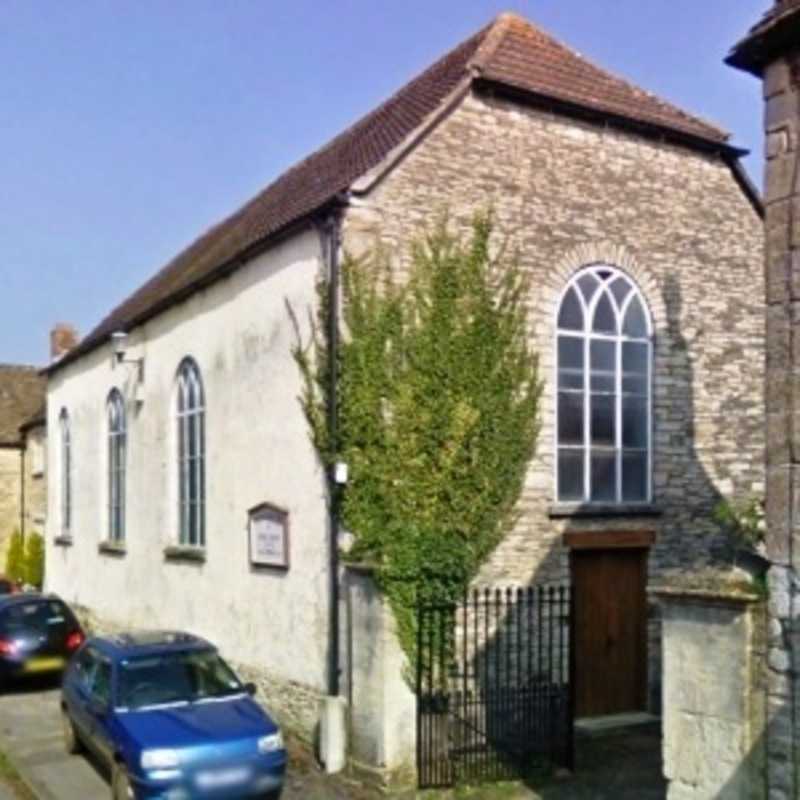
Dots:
(119, 341)
(119, 346)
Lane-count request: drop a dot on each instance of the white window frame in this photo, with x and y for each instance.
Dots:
(588, 336)
(117, 472)
(190, 418)
(66, 473)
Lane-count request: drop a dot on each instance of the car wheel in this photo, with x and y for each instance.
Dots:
(72, 744)
(121, 788)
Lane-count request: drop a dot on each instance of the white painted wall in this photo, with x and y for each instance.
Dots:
(257, 447)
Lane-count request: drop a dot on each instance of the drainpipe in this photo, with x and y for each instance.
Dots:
(333, 240)
(333, 727)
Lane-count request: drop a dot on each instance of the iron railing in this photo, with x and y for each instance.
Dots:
(494, 697)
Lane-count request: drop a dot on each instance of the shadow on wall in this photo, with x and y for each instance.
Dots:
(687, 434)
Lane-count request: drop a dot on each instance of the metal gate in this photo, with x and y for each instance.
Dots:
(494, 689)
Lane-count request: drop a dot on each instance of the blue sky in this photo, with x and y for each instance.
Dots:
(126, 128)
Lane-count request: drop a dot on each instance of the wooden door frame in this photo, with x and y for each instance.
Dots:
(605, 540)
(609, 540)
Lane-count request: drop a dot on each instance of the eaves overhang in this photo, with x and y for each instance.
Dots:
(777, 33)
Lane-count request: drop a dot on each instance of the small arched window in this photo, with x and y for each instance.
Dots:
(66, 473)
(604, 372)
(117, 447)
(191, 455)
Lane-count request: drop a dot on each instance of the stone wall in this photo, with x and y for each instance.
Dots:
(714, 699)
(569, 194)
(782, 92)
(10, 497)
(23, 499)
(35, 487)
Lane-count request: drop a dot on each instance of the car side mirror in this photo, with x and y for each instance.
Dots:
(251, 689)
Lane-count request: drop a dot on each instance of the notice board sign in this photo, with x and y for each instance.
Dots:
(268, 533)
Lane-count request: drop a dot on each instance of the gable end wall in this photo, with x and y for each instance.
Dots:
(569, 194)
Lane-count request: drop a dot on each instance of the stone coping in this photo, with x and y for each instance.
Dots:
(731, 594)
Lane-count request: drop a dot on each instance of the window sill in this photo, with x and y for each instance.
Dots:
(587, 510)
(63, 541)
(111, 548)
(183, 552)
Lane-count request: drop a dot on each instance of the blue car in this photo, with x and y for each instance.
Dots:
(170, 719)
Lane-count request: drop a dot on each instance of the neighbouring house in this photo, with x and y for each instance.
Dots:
(175, 431)
(22, 458)
(771, 51)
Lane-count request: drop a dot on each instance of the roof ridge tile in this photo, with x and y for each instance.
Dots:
(495, 32)
(524, 27)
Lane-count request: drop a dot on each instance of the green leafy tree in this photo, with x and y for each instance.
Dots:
(34, 560)
(438, 411)
(15, 557)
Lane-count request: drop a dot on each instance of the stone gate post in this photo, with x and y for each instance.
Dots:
(382, 705)
(714, 699)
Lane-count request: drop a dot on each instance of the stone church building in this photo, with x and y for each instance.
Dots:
(174, 427)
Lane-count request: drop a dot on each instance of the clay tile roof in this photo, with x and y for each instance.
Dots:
(509, 51)
(37, 419)
(22, 393)
(777, 11)
(525, 57)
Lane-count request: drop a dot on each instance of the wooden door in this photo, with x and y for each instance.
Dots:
(610, 611)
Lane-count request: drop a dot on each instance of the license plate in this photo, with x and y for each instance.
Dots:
(43, 664)
(221, 778)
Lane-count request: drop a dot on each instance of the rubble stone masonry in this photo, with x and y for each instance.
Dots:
(10, 484)
(568, 194)
(35, 487)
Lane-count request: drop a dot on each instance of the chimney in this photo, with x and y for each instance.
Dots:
(63, 337)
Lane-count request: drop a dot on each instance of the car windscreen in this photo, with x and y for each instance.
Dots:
(173, 678)
(35, 616)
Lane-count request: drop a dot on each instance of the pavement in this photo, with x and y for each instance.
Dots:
(611, 766)
(30, 735)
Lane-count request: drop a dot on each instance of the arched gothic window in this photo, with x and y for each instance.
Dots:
(191, 455)
(604, 372)
(66, 473)
(117, 447)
